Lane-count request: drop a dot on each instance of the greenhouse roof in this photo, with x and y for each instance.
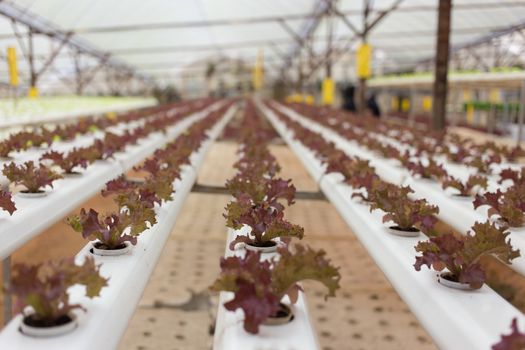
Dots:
(159, 38)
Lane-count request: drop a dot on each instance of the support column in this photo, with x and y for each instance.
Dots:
(79, 88)
(521, 115)
(31, 60)
(6, 276)
(328, 87)
(439, 108)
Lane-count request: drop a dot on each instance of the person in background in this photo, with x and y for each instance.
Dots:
(373, 106)
(348, 98)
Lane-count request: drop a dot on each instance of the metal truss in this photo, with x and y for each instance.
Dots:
(501, 49)
(61, 40)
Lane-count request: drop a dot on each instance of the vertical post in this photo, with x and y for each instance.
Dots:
(300, 76)
(492, 118)
(31, 58)
(505, 111)
(441, 68)
(328, 89)
(6, 277)
(330, 33)
(412, 110)
(361, 91)
(79, 88)
(522, 113)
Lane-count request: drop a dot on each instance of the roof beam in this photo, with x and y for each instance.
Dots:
(518, 27)
(38, 25)
(267, 19)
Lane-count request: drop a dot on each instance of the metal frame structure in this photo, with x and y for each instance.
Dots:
(297, 65)
(328, 8)
(300, 40)
(36, 25)
(488, 52)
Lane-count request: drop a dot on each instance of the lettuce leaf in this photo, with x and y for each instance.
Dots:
(29, 175)
(44, 286)
(461, 255)
(6, 202)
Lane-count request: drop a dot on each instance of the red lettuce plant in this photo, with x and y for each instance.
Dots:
(24, 139)
(62, 133)
(357, 173)
(152, 191)
(6, 202)
(119, 142)
(404, 158)
(76, 158)
(257, 160)
(260, 197)
(483, 163)
(160, 170)
(513, 341)
(258, 206)
(370, 183)
(405, 213)
(468, 188)
(44, 287)
(459, 155)
(106, 148)
(32, 177)
(5, 148)
(113, 230)
(16, 142)
(461, 255)
(429, 170)
(509, 206)
(259, 286)
(518, 177)
(514, 153)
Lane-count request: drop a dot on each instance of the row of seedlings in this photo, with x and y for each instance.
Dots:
(53, 165)
(455, 258)
(41, 290)
(264, 268)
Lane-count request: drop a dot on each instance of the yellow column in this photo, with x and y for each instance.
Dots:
(309, 100)
(495, 96)
(12, 65)
(470, 107)
(405, 105)
(363, 59)
(394, 103)
(427, 103)
(33, 92)
(258, 72)
(328, 92)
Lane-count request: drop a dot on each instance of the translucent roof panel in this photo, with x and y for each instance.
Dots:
(161, 37)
